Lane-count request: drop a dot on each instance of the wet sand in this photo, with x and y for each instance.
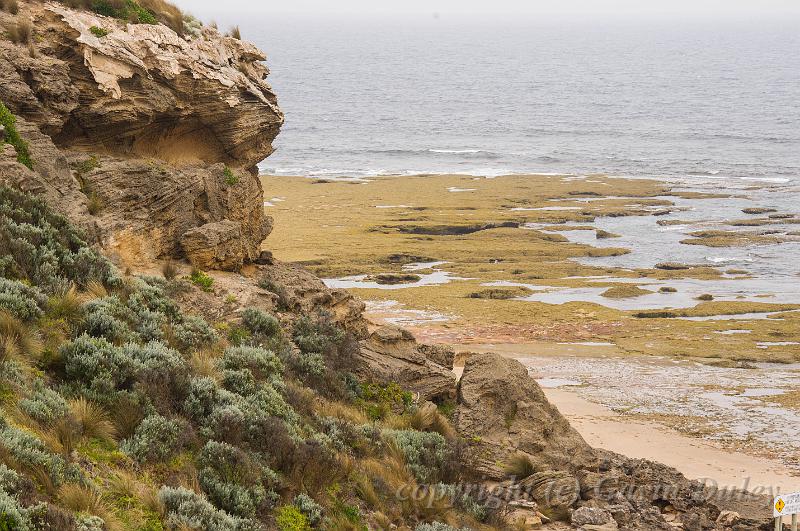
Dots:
(636, 436)
(695, 458)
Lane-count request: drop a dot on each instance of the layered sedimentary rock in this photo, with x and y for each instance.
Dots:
(391, 354)
(506, 413)
(145, 138)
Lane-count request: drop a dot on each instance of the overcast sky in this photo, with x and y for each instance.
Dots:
(614, 8)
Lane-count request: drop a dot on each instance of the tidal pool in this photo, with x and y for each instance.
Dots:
(733, 406)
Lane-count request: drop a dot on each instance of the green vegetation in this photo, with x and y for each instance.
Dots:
(115, 402)
(231, 178)
(9, 122)
(201, 280)
(98, 32)
(135, 11)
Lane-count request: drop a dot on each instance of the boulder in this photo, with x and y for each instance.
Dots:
(590, 515)
(392, 355)
(443, 355)
(502, 411)
(215, 246)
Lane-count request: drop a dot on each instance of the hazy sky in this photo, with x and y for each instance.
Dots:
(614, 8)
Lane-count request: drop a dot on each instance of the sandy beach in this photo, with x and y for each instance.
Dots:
(695, 458)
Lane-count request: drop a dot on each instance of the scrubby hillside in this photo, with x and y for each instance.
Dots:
(122, 411)
(159, 370)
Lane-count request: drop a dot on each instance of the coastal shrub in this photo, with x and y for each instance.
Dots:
(43, 248)
(10, 480)
(241, 382)
(201, 280)
(14, 517)
(463, 501)
(310, 508)
(261, 362)
(225, 423)
(438, 526)
(187, 509)
(425, 452)
(310, 365)
(380, 400)
(90, 522)
(259, 322)
(20, 300)
(98, 367)
(31, 453)
(202, 397)
(193, 333)
(44, 405)
(234, 481)
(19, 33)
(100, 324)
(317, 335)
(98, 32)
(155, 439)
(161, 372)
(149, 295)
(291, 518)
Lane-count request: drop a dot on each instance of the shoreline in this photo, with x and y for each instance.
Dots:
(695, 457)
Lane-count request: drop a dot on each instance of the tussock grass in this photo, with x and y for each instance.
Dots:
(21, 32)
(85, 499)
(18, 341)
(520, 467)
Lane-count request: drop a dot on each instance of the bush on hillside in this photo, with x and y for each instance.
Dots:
(194, 333)
(42, 248)
(317, 335)
(234, 481)
(260, 323)
(425, 452)
(155, 439)
(187, 509)
(9, 122)
(20, 300)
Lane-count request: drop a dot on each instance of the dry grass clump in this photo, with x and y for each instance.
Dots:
(342, 411)
(18, 340)
(85, 421)
(235, 32)
(10, 6)
(169, 270)
(82, 499)
(204, 363)
(520, 467)
(166, 13)
(21, 32)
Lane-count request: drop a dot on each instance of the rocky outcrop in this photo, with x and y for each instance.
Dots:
(392, 355)
(505, 413)
(142, 137)
(142, 90)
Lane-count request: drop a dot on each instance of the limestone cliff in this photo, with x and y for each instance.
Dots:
(164, 130)
(147, 140)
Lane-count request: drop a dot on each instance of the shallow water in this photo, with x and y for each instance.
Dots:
(487, 96)
(730, 405)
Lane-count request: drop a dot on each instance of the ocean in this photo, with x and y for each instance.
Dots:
(716, 100)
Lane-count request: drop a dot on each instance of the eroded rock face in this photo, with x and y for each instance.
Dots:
(391, 354)
(504, 412)
(143, 90)
(142, 137)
